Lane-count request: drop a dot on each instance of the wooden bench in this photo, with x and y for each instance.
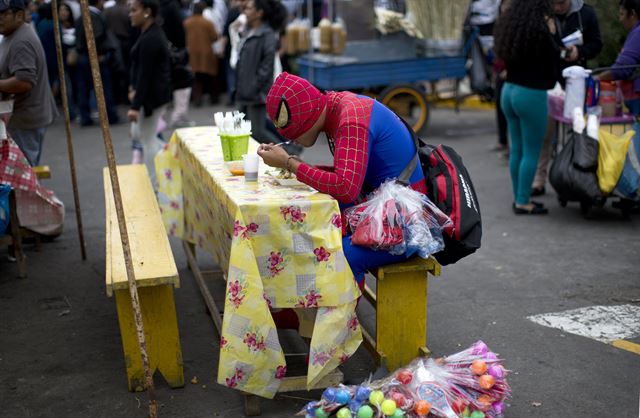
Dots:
(155, 273)
(400, 303)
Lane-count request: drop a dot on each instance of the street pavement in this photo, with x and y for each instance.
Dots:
(60, 350)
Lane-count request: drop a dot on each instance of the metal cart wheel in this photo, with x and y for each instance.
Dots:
(408, 101)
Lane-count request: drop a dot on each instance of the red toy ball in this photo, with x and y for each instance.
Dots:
(404, 377)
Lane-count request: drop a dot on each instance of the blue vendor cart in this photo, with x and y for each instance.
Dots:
(395, 67)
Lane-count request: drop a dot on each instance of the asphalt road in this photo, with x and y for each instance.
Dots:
(60, 351)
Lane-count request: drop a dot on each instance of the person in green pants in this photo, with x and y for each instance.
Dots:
(526, 41)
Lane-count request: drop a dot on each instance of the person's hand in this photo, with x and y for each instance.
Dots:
(551, 24)
(132, 94)
(133, 115)
(572, 54)
(273, 156)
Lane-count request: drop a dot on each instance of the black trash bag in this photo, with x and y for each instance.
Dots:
(585, 153)
(569, 179)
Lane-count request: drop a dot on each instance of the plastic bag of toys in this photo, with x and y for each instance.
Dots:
(468, 384)
(399, 220)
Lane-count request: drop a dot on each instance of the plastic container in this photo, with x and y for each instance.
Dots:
(338, 38)
(607, 100)
(234, 146)
(575, 89)
(325, 36)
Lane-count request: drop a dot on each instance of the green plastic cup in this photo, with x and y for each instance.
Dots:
(238, 146)
(226, 149)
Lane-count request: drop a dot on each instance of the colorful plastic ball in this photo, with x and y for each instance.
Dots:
(362, 393)
(498, 407)
(329, 394)
(376, 397)
(486, 381)
(479, 367)
(399, 413)
(485, 401)
(496, 371)
(365, 411)
(399, 399)
(466, 413)
(491, 356)
(422, 408)
(477, 414)
(404, 377)
(480, 348)
(343, 396)
(321, 413)
(344, 413)
(354, 405)
(310, 408)
(388, 407)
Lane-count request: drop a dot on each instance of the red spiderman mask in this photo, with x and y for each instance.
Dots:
(294, 105)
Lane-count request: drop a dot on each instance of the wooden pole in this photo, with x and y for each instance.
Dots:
(117, 198)
(67, 126)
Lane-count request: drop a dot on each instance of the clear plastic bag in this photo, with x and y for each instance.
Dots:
(399, 220)
(471, 382)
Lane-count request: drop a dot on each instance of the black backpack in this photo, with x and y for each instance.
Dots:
(450, 188)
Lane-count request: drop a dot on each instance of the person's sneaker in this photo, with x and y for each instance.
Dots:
(136, 156)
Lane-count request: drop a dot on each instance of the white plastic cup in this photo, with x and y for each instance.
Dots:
(251, 162)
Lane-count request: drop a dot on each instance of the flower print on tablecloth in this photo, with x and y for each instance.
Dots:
(322, 354)
(238, 375)
(309, 300)
(281, 372)
(236, 290)
(244, 232)
(277, 261)
(336, 220)
(254, 341)
(293, 216)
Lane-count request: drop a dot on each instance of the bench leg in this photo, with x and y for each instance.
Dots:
(161, 331)
(401, 317)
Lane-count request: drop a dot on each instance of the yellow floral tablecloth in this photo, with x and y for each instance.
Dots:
(281, 247)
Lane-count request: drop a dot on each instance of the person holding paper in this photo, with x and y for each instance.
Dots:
(578, 33)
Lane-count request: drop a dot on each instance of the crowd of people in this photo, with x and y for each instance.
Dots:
(157, 57)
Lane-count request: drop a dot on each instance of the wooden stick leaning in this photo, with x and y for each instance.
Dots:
(67, 126)
(117, 198)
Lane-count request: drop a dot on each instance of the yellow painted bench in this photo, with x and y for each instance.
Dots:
(156, 275)
(400, 303)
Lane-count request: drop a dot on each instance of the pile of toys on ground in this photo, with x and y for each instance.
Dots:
(468, 384)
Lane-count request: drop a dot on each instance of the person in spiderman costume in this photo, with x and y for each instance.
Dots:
(369, 142)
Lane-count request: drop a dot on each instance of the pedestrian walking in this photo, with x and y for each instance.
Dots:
(254, 70)
(201, 34)
(525, 41)
(23, 77)
(117, 18)
(150, 89)
(172, 22)
(106, 55)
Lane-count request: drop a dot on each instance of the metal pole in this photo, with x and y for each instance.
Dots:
(67, 126)
(117, 198)
(310, 17)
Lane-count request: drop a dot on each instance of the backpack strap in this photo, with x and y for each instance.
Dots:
(406, 173)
